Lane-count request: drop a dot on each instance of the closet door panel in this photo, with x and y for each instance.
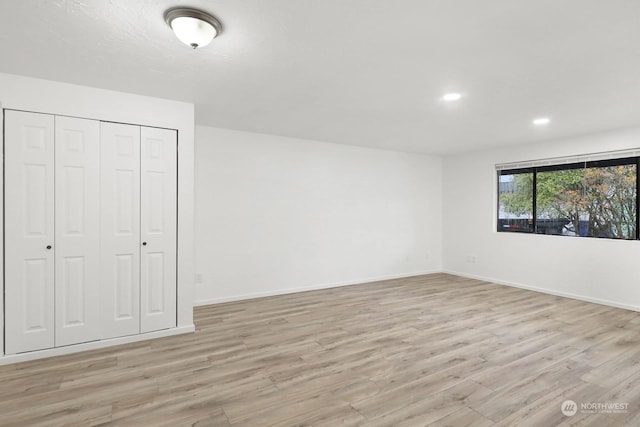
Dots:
(29, 231)
(77, 225)
(158, 228)
(120, 241)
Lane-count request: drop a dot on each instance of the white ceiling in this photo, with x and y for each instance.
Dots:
(362, 72)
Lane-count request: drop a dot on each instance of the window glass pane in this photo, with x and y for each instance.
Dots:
(610, 205)
(588, 202)
(515, 202)
(559, 198)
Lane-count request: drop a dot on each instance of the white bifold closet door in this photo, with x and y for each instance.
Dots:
(29, 231)
(138, 244)
(90, 230)
(120, 229)
(77, 233)
(158, 215)
(52, 256)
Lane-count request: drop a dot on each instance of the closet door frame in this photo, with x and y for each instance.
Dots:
(2, 230)
(180, 308)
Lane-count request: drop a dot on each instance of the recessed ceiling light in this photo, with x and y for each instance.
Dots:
(451, 96)
(193, 27)
(541, 121)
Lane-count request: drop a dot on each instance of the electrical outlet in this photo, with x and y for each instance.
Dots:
(199, 278)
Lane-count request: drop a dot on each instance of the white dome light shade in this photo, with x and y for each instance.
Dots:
(192, 27)
(193, 32)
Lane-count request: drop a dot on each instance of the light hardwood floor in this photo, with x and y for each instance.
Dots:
(429, 350)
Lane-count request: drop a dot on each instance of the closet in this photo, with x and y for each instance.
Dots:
(90, 230)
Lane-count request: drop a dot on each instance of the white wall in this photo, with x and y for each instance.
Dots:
(23, 93)
(597, 270)
(276, 214)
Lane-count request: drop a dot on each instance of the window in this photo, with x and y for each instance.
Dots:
(515, 201)
(587, 199)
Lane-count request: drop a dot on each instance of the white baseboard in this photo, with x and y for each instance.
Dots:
(418, 273)
(546, 291)
(285, 291)
(59, 351)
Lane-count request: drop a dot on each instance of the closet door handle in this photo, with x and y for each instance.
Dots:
(48, 246)
(144, 243)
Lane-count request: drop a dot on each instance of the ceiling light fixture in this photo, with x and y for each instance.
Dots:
(541, 121)
(193, 27)
(452, 97)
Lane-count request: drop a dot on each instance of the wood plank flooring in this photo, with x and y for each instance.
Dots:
(434, 350)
